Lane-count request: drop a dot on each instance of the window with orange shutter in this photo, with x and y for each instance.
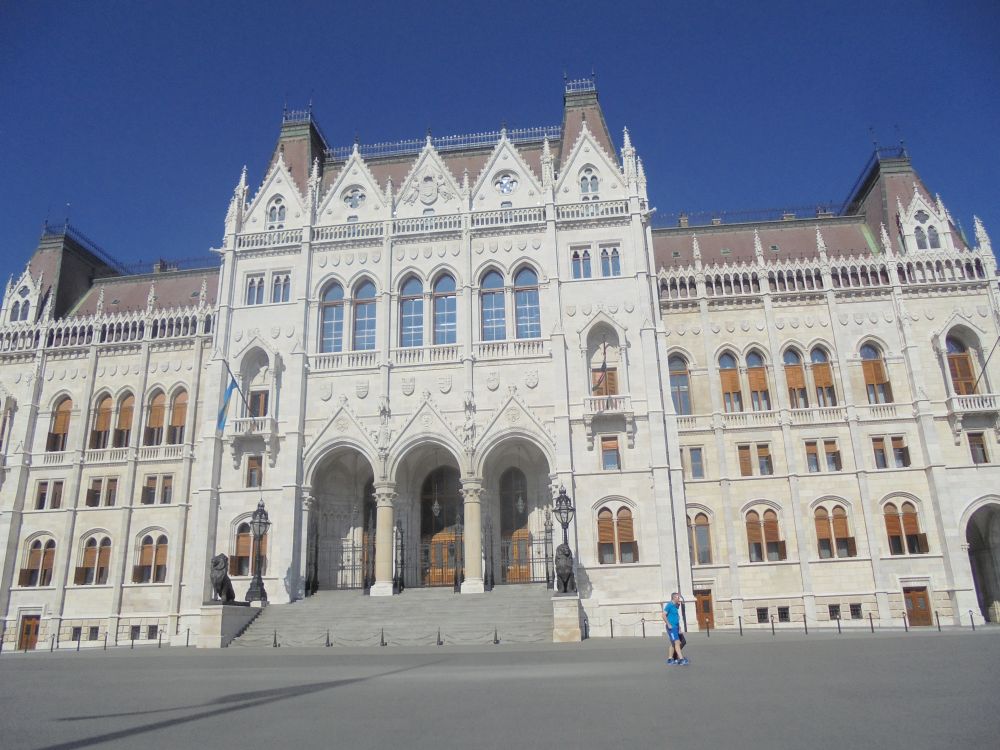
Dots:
(153, 434)
(900, 453)
(894, 529)
(916, 543)
(606, 537)
(628, 548)
(977, 447)
(48, 562)
(760, 396)
(103, 561)
(795, 379)
(824, 536)
(604, 381)
(102, 424)
(123, 427)
(729, 377)
(746, 460)
(822, 378)
(878, 446)
(764, 464)
(702, 540)
(178, 416)
(772, 537)
(876, 378)
(755, 538)
(963, 379)
(143, 571)
(58, 435)
(845, 543)
(160, 560)
(239, 563)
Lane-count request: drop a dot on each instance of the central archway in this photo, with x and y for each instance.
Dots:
(983, 535)
(441, 528)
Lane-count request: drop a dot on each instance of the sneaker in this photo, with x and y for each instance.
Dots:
(671, 661)
(684, 662)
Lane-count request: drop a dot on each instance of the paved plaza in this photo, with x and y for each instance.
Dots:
(918, 690)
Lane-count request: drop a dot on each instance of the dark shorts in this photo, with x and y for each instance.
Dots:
(673, 634)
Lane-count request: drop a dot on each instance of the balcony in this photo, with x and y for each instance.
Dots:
(343, 361)
(751, 419)
(428, 224)
(368, 230)
(592, 211)
(508, 217)
(106, 455)
(985, 403)
(54, 458)
(819, 415)
(517, 348)
(269, 239)
(160, 452)
(617, 404)
(879, 411)
(419, 355)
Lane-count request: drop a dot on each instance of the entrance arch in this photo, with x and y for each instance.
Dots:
(341, 552)
(983, 535)
(441, 528)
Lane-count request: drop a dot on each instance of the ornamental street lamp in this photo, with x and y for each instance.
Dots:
(564, 512)
(259, 524)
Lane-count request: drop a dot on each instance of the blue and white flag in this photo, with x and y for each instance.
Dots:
(224, 411)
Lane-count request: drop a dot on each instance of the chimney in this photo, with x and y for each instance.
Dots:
(160, 266)
(716, 221)
(788, 216)
(682, 221)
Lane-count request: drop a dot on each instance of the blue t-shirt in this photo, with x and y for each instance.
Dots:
(673, 614)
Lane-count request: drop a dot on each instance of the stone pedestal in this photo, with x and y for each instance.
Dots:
(473, 586)
(566, 618)
(994, 611)
(221, 623)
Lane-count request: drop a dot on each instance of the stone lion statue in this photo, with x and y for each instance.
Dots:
(565, 580)
(222, 587)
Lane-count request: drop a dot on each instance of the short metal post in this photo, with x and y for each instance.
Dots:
(643, 627)
(439, 641)
(708, 630)
(586, 628)
(132, 638)
(772, 624)
(938, 618)
(159, 639)
(105, 640)
(612, 627)
(839, 631)
(741, 626)
(906, 623)
(381, 641)
(496, 637)
(78, 642)
(328, 637)
(804, 623)
(274, 643)
(972, 622)
(187, 640)
(52, 644)
(871, 622)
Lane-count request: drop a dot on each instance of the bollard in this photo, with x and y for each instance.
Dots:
(274, 643)
(708, 630)
(78, 642)
(972, 621)
(382, 638)
(839, 632)
(643, 627)
(804, 623)
(612, 628)
(105, 640)
(906, 623)
(496, 637)
(52, 644)
(328, 637)
(159, 639)
(871, 622)
(938, 618)
(772, 624)
(133, 642)
(586, 629)
(187, 640)
(439, 641)
(741, 626)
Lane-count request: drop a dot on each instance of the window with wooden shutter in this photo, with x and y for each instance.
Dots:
(93, 497)
(900, 453)
(111, 491)
(795, 378)
(832, 452)
(842, 535)
(628, 548)
(729, 378)
(42, 495)
(876, 378)
(826, 395)
(31, 573)
(143, 572)
(702, 539)
(746, 461)
(824, 537)
(160, 560)
(606, 537)
(878, 446)
(60, 426)
(239, 564)
(48, 561)
(258, 403)
(103, 561)
(148, 496)
(916, 543)
(166, 489)
(610, 458)
(153, 434)
(755, 538)
(812, 456)
(963, 379)
(102, 424)
(764, 459)
(263, 555)
(977, 447)
(894, 529)
(85, 573)
(55, 495)
(254, 471)
(178, 416)
(760, 396)
(604, 381)
(772, 538)
(123, 427)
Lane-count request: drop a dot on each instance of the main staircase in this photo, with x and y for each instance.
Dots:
(511, 614)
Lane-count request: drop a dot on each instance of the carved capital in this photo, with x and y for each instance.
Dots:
(385, 494)
(472, 490)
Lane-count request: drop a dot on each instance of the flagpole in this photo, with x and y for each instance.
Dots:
(239, 390)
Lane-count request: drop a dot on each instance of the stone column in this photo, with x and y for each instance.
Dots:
(307, 554)
(472, 492)
(385, 496)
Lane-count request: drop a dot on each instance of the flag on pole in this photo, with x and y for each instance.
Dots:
(224, 411)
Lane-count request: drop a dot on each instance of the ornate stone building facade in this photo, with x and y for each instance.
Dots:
(783, 417)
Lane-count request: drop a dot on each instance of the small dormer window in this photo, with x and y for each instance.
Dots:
(276, 213)
(506, 183)
(933, 238)
(22, 292)
(921, 216)
(355, 197)
(589, 184)
(921, 237)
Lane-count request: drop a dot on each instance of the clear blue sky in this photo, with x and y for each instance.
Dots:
(140, 115)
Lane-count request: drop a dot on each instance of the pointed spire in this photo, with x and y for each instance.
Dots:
(429, 142)
(820, 244)
(388, 192)
(758, 248)
(234, 216)
(626, 139)
(641, 170)
(899, 207)
(548, 173)
(100, 303)
(695, 249)
(628, 157)
(151, 297)
(886, 242)
(46, 315)
(465, 181)
(203, 292)
(982, 239)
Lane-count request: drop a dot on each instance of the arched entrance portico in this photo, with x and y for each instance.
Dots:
(340, 551)
(983, 536)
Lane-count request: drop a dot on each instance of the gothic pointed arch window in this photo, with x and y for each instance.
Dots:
(39, 561)
(15, 312)
(581, 264)
(332, 318)
(123, 425)
(902, 526)
(833, 537)
(680, 384)
(276, 213)
(590, 183)
(411, 313)
(822, 377)
(960, 368)
(876, 377)
(364, 316)
(102, 423)
(920, 236)
(25, 308)
(795, 379)
(729, 376)
(616, 538)
(445, 310)
(933, 238)
(59, 431)
(178, 417)
(764, 537)
(95, 562)
(152, 560)
(155, 414)
(610, 262)
(491, 306)
(700, 539)
(527, 314)
(760, 395)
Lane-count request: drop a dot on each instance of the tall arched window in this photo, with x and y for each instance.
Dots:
(411, 313)
(960, 367)
(832, 534)
(764, 537)
(123, 426)
(152, 566)
(795, 378)
(445, 310)
(610, 262)
(332, 319)
(826, 395)
(281, 287)
(15, 312)
(491, 306)
(616, 542)
(276, 213)
(700, 540)
(729, 375)
(876, 377)
(102, 423)
(680, 386)
(527, 314)
(25, 308)
(581, 264)
(903, 529)
(59, 431)
(38, 564)
(178, 416)
(95, 563)
(243, 562)
(589, 184)
(933, 238)
(755, 539)
(921, 237)
(153, 433)
(760, 396)
(364, 317)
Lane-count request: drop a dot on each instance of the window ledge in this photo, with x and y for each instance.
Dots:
(610, 566)
(90, 586)
(710, 566)
(131, 585)
(764, 563)
(856, 558)
(917, 556)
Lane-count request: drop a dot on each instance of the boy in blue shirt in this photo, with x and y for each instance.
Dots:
(672, 618)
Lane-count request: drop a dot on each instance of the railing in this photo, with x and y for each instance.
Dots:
(160, 452)
(581, 84)
(253, 426)
(508, 217)
(106, 455)
(820, 209)
(269, 239)
(416, 355)
(878, 411)
(420, 224)
(54, 458)
(344, 361)
(448, 142)
(751, 419)
(351, 231)
(687, 422)
(819, 414)
(510, 349)
(985, 402)
(616, 404)
(592, 210)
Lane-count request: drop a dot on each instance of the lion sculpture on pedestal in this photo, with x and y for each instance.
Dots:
(222, 587)
(565, 579)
